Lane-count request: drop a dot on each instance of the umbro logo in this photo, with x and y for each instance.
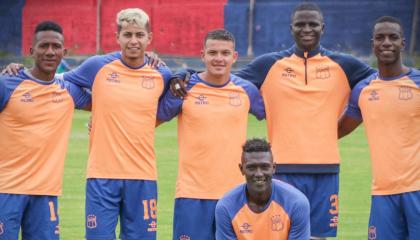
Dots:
(374, 96)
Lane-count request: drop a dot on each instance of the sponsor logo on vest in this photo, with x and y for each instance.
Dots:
(374, 96)
(289, 72)
(405, 93)
(26, 97)
(245, 228)
(322, 72)
(201, 100)
(152, 227)
(372, 233)
(235, 99)
(148, 82)
(91, 221)
(184, 237)
(277, 223)
(112, 78)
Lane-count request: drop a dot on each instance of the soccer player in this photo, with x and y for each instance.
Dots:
(305, 91)
(212, 124)
(36, 111)
(388, 102)
(262, 208)
(121, 171)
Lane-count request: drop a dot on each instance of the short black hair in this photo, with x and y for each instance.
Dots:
(390, 19)
(307, 6)
(256, 145)
(220, 34)
(48, 26)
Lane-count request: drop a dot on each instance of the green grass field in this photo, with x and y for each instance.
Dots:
(354, 181)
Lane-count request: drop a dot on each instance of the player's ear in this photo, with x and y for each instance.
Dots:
(31, 51)
(202, 53)
(240, 168)
(65, 52)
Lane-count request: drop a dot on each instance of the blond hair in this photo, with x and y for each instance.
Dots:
(134, 16)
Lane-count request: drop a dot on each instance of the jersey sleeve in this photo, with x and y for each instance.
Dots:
(7, 86)
(169, 106)
(353, 109)
(257, 70)
(224, 229)
(166, 75)
(85, 74)
(256, 101)
(355, 69)
(3, 92)
(300, 228)
(81, 96)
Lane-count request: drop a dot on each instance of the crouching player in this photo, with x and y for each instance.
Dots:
(262, 208)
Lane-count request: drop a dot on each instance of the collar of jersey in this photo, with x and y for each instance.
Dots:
(396, 77)
(301, 53)
(210, 84)
(146, 60)
(29, 76)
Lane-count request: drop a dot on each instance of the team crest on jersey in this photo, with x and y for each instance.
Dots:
(147, 82)
(152, 227)
(184, 237)
(57, 98)
(405, 93)
(113, 78)
(235, 99)
(374, 96)
(27, 97)
(1, 228)
(245, 228)
(372, 233)
(201, 100)
(322, 72)
(91, 221)
(277, 223)
(288, 72)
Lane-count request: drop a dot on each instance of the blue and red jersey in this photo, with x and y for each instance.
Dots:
(35, 123)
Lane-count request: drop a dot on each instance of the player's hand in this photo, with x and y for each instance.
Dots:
(154, 59)
(12, 69)
(178, 86)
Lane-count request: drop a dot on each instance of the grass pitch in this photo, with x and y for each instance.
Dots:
(354, 180)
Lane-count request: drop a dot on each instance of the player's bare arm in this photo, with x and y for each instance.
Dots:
(346, 125)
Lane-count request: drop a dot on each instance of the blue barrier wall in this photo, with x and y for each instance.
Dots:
(348, 24)
(11, 26)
